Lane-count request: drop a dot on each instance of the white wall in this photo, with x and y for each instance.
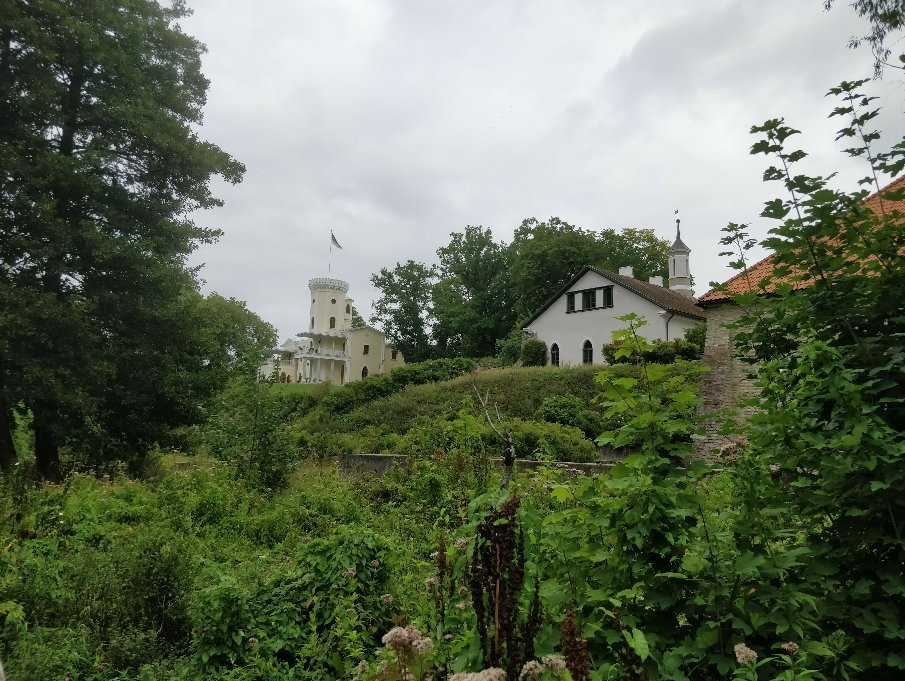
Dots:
(570, 330)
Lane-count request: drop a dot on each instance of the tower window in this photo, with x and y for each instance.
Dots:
(393, 354)
(587, 352)
(365, 349)
(332, 322)
(348, 309)
(312, 322)
(333, 301)
(364, 371)
(554, 355)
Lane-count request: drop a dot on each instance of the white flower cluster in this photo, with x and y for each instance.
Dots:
(744, 654)
(407, 641)
(492, 674)
(533, 670)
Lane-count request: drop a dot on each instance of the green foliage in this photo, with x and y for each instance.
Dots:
(102, 163)
(571, 410)
(405, 310)
(658, 352)
(248, 430)
(534, 353)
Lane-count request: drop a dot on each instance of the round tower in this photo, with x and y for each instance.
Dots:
(328, 305)
(679, 272)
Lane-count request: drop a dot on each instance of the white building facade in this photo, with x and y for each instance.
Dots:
(580, 319)
(331, 349)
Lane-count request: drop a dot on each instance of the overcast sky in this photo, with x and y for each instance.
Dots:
(398, 122)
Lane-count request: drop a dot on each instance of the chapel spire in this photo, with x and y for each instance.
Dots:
(679, 272)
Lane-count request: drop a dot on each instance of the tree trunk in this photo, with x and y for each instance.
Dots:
(7, 446)
(47, 451)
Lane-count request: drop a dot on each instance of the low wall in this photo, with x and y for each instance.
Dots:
(377, 464)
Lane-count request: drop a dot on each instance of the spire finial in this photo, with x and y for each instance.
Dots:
(678, 220)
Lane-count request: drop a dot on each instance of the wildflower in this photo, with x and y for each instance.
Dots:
(791, 647)
(463, 590)
(744, 654)
(350, 611)
(422, 646)
(462, 605)
(432, 582)
(252, 641)
(349, 573)
(447, 637)
(375, 563)
(102, 666)
(531, 671)
(553, 663)
(387, 599)
(434, 555)
(462, 543)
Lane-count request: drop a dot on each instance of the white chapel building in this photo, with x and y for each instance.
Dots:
(577, 321)
(331, 350)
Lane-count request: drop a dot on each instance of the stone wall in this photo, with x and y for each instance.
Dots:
(724, 386)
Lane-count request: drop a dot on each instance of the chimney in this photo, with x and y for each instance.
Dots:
(627, 271)
(656, 281)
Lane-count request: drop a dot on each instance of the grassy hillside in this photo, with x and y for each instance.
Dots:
(552, 412)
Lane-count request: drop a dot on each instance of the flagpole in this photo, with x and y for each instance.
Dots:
(330, 257)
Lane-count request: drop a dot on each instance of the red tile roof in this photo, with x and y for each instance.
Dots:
(760, 277)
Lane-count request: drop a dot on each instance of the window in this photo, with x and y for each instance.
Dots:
(348, 309)
(332, 322)
(393, 354)
(607, 296)
(589, 299)
(333, 301)
(554, 355)
(570, 302)
(364, 371)
(312, 322)
(366, 349)
(587, 353)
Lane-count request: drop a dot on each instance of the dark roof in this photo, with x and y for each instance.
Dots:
(658, 295)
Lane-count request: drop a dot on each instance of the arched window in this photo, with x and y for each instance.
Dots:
(587, 352)
(333, 301)
(554, 355)
(332, 322)
(364, 372)
(348, 309)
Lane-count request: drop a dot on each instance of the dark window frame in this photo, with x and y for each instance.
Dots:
(554, 355)
(587, 352)
(366, 349)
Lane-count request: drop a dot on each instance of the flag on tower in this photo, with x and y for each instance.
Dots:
(333, 240)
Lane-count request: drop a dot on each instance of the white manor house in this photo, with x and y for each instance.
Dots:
(332, 350)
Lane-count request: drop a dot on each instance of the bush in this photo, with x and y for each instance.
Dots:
(697, 335)
(534, 353)
(358, 393)
(660, 352)
(543, 441)
(571, 410)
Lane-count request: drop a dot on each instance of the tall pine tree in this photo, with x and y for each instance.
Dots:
(99, 167)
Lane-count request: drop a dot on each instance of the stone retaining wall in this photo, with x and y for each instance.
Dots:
(725, 385)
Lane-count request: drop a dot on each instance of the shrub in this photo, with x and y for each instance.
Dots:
(534, 353)
(697, 335)
(657, 352)
(543, 441)
(571, 410)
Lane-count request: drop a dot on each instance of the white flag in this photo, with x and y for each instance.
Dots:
(334, 241)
